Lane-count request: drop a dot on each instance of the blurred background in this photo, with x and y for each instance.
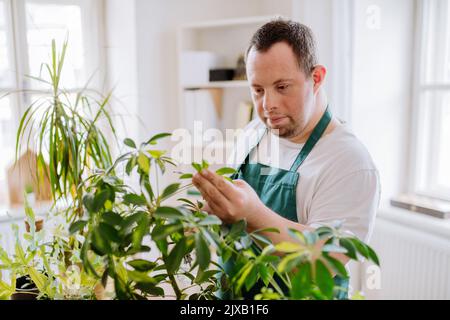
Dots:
(171, 63)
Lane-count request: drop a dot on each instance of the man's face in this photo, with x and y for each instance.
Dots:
(281, 92)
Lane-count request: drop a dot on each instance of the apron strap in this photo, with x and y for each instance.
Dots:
(317, 133)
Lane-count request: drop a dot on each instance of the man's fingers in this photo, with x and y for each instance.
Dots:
(210, 192)
(223, 185)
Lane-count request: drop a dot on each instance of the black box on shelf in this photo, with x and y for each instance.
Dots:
(221, 74)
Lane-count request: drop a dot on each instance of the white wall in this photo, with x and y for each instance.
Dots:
(157, 24)
(121, 52)
(382, 74)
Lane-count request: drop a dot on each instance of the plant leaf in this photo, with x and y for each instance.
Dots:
(176, 255)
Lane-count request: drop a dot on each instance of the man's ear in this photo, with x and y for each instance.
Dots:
(318, 75)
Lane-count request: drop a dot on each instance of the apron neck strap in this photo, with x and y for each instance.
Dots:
(317, 133)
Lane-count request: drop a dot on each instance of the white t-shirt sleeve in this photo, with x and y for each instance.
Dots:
(352, 198)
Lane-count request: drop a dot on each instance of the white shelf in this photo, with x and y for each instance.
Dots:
(218, 84)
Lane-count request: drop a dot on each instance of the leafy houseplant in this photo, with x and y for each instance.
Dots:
(67, 133)
(65, 129)
(147, 248)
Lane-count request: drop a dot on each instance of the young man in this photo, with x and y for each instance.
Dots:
(323, 172)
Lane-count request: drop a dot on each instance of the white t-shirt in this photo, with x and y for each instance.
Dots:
(338, 180)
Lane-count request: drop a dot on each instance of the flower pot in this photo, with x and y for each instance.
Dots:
(39, 224)
(25, 289)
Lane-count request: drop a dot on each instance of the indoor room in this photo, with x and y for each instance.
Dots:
(211, 150)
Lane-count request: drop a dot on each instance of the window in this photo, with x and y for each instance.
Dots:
(432, 96)
(26, 30)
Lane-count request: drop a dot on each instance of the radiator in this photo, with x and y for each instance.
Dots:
(415, 261)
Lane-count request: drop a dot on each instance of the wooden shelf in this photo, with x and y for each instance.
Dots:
(218, 85)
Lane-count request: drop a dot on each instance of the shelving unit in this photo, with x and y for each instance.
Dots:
(228, 38)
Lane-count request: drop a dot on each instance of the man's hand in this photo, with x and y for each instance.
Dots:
(231, 202)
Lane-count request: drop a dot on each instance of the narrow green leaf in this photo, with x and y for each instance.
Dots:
(169, 190)
(157, 137)
(225, 170)
(202, 251)
(176, 255)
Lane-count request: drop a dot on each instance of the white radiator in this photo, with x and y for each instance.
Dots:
(414, 251)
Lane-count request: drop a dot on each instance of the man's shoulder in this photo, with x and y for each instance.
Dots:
(345, 150)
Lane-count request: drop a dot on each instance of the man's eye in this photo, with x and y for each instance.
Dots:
(258, 91)
(283, 87)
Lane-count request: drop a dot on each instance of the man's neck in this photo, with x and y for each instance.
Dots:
(318, 113)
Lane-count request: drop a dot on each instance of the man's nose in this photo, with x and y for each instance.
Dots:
(269, 102)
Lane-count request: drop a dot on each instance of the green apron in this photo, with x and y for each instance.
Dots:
(277, 190)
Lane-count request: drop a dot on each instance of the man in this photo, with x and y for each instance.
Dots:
(324, 172)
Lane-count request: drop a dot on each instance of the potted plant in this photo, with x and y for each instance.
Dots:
(131, 236)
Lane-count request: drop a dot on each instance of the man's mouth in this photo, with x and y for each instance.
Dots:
(276, 120)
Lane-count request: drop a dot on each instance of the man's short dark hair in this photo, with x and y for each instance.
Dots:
(298, 36)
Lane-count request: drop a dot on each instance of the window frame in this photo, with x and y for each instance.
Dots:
(17, 47)
(419, 168)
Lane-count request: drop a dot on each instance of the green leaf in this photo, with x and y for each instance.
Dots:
(176, 255)
(251, 278)
(169, 190)
(186, 176)
(274, 230)
(203, 276)
(302, 282)
(311, 237)
(210, 220)
(289, 262)
(100, 245)
(77, 226)
(141, 230)
(112, 218)
(333, 248)
(108, 232)
(168, 213)
(100, 199)
(157, 137)
(336, 265)
(132, 198)
(141, 277)
(129, 142)
(324, 279)
(196, 166)
(142, 265)
(205, 164)
(373, 256)
(237, 229)
(88, 201)
(264, 273)
(161, 232)
(202, 251)
(143, 162)
(288, 247)
(262, 239)
(150, 289)
(225, 170)
(351, 250)
(156, 154)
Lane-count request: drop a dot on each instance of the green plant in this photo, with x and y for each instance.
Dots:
(135, 237)
(120, 218)
(39, 259)
(67, 132)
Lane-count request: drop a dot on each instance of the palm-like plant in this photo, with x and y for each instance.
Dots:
(66, 133)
